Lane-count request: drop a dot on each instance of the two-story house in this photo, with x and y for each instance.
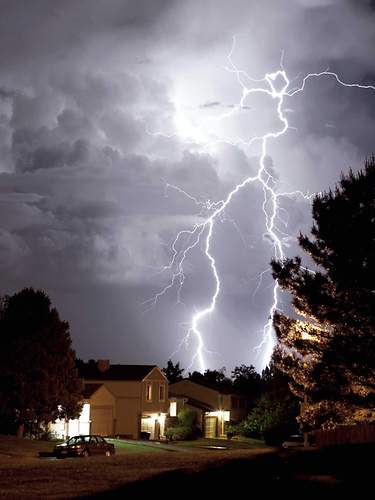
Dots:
(120, 400)
(214, 405)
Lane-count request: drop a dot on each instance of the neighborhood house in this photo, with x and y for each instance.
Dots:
(119, 400)
(214, 405)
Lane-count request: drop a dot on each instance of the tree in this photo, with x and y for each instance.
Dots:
(185, 427)
(247, 381)
(214, 378)
(37, 364)
(273, 416)
(173, 372)
(328, 347)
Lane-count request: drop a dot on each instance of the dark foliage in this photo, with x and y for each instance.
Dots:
(328, 349)
(212, 378)
(273, 417)
(247, 381)
(173, 372)
(185, 427)
(39, 380)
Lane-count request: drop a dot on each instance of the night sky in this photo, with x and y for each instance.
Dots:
(101, 103)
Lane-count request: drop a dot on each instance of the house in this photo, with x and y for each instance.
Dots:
(119, 400)
(213, 404)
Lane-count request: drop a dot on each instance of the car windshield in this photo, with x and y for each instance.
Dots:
(75, 440)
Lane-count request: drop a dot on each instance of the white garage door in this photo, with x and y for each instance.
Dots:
(102, 420)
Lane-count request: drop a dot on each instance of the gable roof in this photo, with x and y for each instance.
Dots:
(89, 390)
(193, 402)
(208, 385)
(90, 371)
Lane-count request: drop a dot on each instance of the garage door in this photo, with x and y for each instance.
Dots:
(210, 427)
(102, 420)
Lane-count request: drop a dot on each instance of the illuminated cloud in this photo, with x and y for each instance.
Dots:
(82, 190)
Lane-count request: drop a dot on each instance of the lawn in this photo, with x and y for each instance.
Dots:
(230, 444)
(12, 448)
(24, 475)
(124, 447)
(144, 467)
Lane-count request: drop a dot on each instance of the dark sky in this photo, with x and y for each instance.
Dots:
(84, 213)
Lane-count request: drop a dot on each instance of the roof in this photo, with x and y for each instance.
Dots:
(89, 390)
(90, 371)
(194, 402)
(215, 387)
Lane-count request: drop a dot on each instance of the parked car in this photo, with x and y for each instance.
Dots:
(83, 446)
(293, 441)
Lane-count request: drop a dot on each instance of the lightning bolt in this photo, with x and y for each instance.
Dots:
(277, 86)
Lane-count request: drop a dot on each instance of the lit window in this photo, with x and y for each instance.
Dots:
(161, 392)
(149, 392)
(173, 409)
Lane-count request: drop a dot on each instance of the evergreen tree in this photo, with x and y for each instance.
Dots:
(212, 378)
(248, 382)
(328, 348)
(39, 379)
(173, 372)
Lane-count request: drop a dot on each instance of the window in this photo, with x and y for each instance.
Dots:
(161, 392)
(149, 392)
(173, 409)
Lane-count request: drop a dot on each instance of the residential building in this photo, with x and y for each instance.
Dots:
(214, 405)
(120, 400)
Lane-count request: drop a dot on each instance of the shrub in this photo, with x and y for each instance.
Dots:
(186, 427)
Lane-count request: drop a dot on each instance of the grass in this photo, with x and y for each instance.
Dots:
(24, 475)
(12, 448)
(325, 472)
(234, 443)
(125, 447)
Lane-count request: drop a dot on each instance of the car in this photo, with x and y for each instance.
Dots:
(294, 441)
(84, 446)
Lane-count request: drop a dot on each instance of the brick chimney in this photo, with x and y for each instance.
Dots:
(103, 365)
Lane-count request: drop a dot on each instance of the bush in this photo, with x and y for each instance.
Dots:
(180, 433)
(232, 429)
(186, 427)
(187, 418)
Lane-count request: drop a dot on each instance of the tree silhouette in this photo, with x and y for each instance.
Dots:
(212, 378)
(328, 347)
(173, 372)
(39, 379)
(247, 381)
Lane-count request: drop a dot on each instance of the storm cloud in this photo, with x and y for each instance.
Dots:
(91, 97)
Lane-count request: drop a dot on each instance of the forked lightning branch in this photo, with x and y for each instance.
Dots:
(277, 86)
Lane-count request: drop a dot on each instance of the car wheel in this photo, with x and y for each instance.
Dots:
(108, 453)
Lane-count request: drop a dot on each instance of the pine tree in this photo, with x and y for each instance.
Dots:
(173, 372)
(328, 347)
(39, 379)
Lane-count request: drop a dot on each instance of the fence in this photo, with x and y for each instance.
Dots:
(346, 434)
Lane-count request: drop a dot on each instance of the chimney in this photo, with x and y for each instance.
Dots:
(103, 365)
